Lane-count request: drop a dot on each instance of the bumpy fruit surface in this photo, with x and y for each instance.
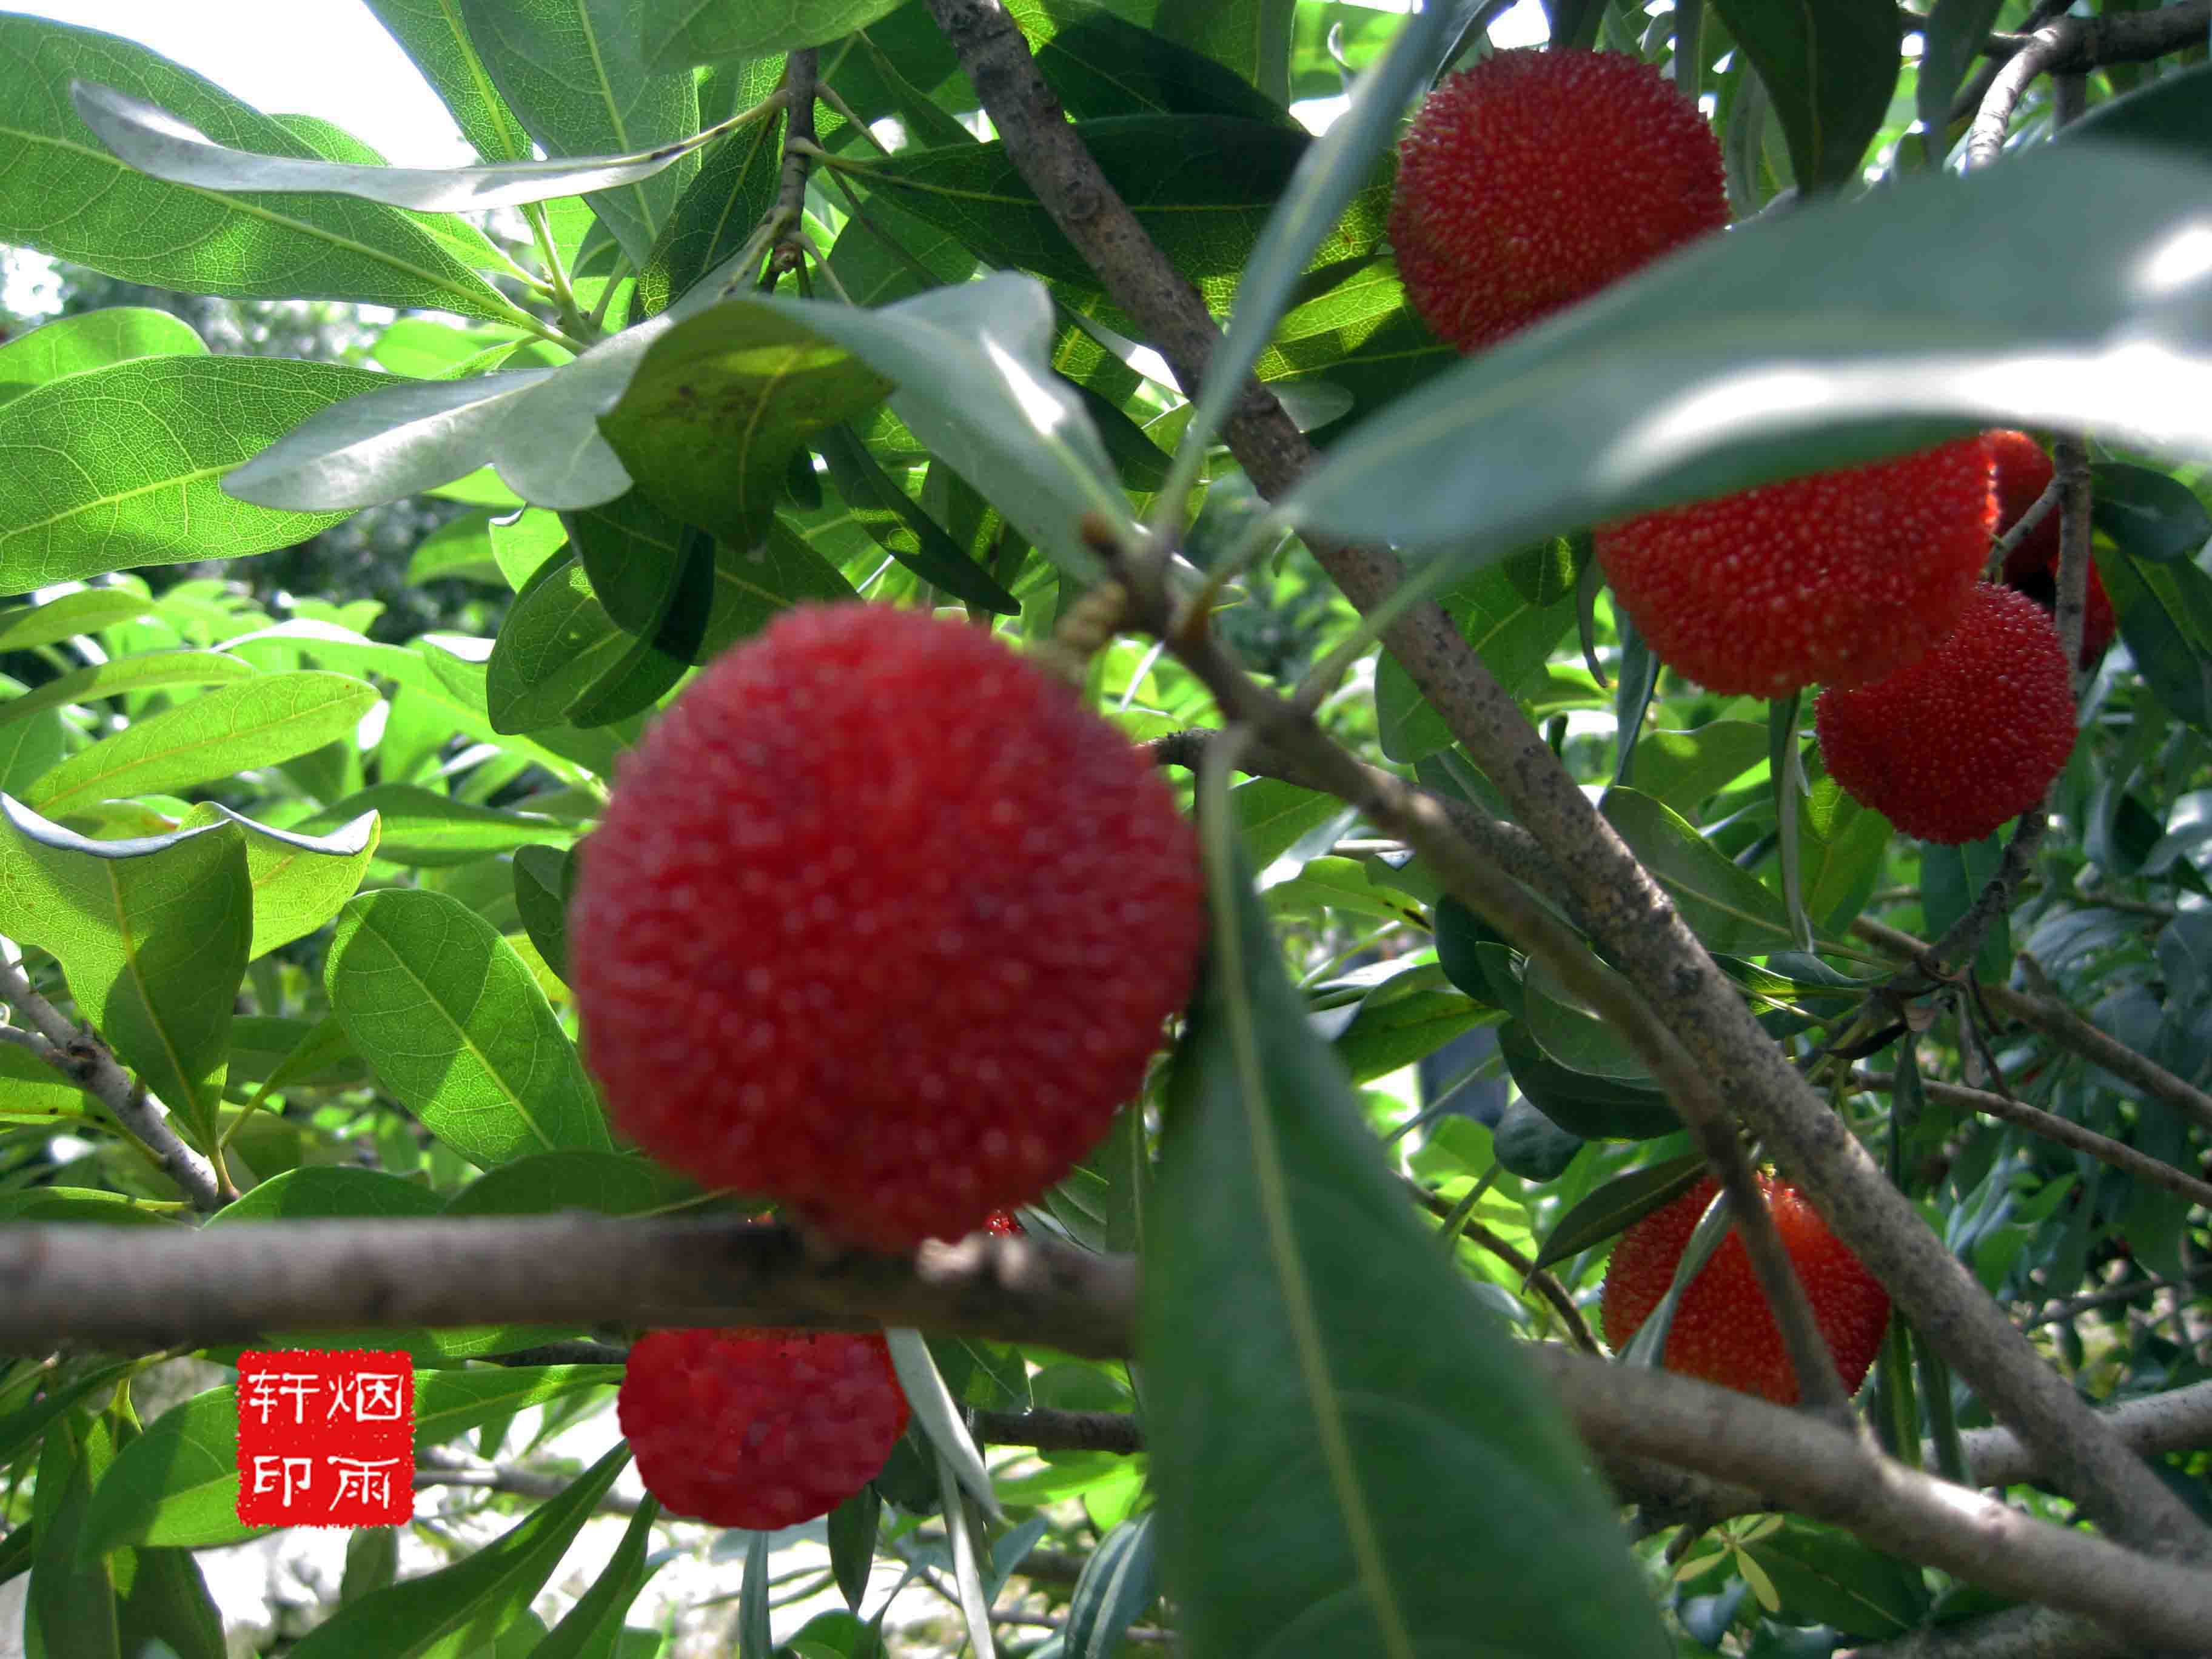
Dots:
(1722, 1330)
(881, 922)
(759, 1428)
(1967, 737)
(1837, 579)
(1534, 179)
(2024, 472)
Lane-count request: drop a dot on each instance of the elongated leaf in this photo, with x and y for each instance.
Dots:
(1726, 365)
(271, 718)
(2148, 514)
(1292, 1293)
(65, 194)
(1951, 42)
(1829, 65)
(1204, 186)
(176, 1484)
(298, 880)
(1101, 63)
(592, 1628)
(571, 72)
(154, 670)
(93, 610)
(90, 340)
(119, 465)
(152, 935)
(852, 1528)
(1118, 1582)
(1619, 1205)
(1730, 908)
(456, 1028)
(937, 1415)
(1584, 1103)
(556, 644)
(156, 142)
(903, 529)
(1682, 769)
(722, 205)
(720, 405)
(1328, 176)
(433, 34)
(471, 1603)
(1511, 634)
(611, 1183)
(716, 31)
(69, 1608)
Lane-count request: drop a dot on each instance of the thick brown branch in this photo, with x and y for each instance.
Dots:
(2015, 1633)
(1106, 1431)
(153, 1288)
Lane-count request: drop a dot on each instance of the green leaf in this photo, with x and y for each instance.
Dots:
(314, 1193)
(93, 610)
(1825, 1576)
(175, 1485)
(432, 33)
(545, 879)
(152, 937)
(69, 1610)
(32, 1091)
(1682, 769)
(1830, 66)
(903, 529)
(2169, 112)
(27, 1426)
(1843, 845)
(1273, 815)
(449, 1404)
(1292, 1293)
(1727, 907)
(556, 644)
(1951, 40)
(453, 1611)
(272, 717)
(90, 340)
(1808, 341)
(298, 880)
(1572, 1031)
(591, 1628)
(721, 208)
(719, 405)
(1118, 1582)
(1102, 63)
(457, 1028)
(273, 1052)
(851, 1528)
(2148, 514)
(1584, 1104)
(162, 1599)
(121, 466)
(154, 670)
(607, 1183)
(1204, 186)
(67, 196)
(713, 31)
(2166, 618)
(1619, 1205)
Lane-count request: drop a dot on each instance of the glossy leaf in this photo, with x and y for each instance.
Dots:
(1723, 366)
(152, 937)
(902, 528)
(154, 670)
(722, 205)
(1727, 907)
(608, 1183)
(544, 878)
(456, 1028)
(67, 196)
(269, 719)
(433, 34)
(91, 610)
(69, 1605)
(556, 644)
(472, 1602)
(1584, 1103)
(158, 143)
(713, 31)
(90, 340)
(176, 1484)
(592, 1627)
(120, 465)
(1118, 1582)
(2148, 514)
(1293, 1293)
(1100, 62)
(1619, 1205)
(1829, 66)
(570, 71)
(1951, 40)
(853, 1527)
(1682, 769)
(426, 829)
(298, 880)
(1509, 633)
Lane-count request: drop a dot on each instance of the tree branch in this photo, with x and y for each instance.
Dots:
(2051, 1127)
(156, 1288)
(1542, 1279)
(87, 1061)
(2015, 1633)
(1625, 908)
(1048, 1430)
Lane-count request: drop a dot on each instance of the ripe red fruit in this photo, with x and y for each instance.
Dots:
(1840, 578)
(1723, 1330)
(1005, 1224)
(1535, 178)
(881, 922)
(1967, 737)
(2024, 472)
(759, 1428)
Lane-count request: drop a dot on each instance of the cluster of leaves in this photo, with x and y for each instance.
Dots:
(309, 885)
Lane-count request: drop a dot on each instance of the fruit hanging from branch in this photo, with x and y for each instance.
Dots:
(2024, 472)
(882, 923)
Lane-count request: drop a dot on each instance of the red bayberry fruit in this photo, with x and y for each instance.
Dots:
(1534, 179)
(1967, 737)
(759, 1428)
(1723, 1330)
(2024, 472)
(1005, 1224)
(881, 922)
(1840, 578)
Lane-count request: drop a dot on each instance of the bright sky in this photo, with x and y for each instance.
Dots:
(326, 58)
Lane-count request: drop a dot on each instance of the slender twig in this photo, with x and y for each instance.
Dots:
(90, 1063)
(1543, 1281)
(2034, 56)
(2024, 526)
(2051, 1127)
(2063, 1313)
(1060, 1430)
(1624, 907)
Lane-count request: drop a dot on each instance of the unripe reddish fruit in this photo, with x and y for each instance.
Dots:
(1969, 736)
(1535, 178)
(2024, 472)
(1723, 1330)
(882, 922)
(759, 1428)
(1837, 579)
